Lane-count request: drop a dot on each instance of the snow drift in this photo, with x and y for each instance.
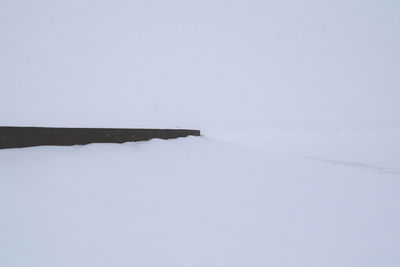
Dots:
(200, 202)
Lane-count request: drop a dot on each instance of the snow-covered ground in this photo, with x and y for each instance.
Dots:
(276, 198)
(261, 198)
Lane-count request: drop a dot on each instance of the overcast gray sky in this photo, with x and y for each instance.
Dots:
(200, 64)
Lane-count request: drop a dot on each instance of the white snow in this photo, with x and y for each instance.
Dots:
(272, 199)
(255, 198)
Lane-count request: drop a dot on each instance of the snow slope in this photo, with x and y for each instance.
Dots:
(276, 199)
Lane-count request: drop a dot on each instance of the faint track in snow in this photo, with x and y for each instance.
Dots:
(380, 170)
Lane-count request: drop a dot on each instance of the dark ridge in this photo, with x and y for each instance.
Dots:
(13, 137)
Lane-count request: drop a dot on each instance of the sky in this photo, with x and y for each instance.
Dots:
(200, 64)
